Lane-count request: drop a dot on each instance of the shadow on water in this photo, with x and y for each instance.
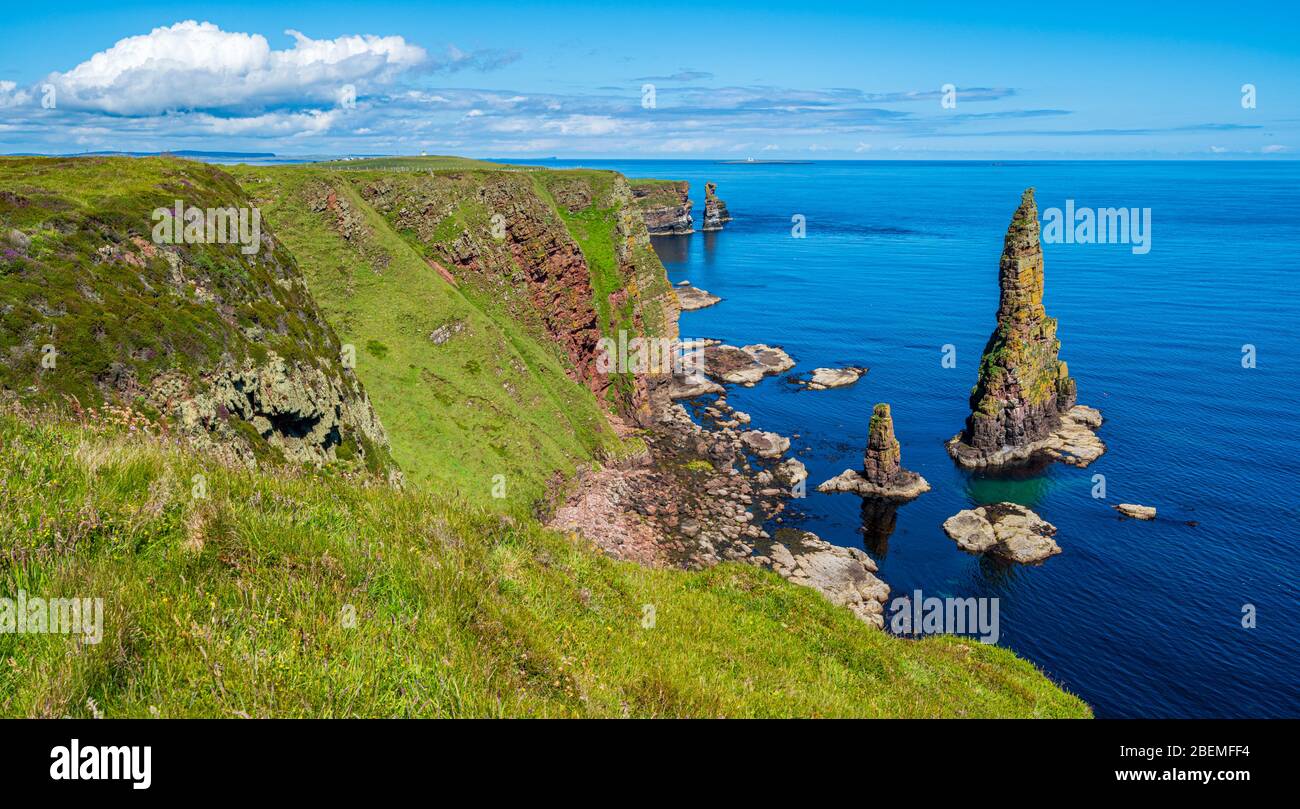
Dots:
(672, 249)
(879, 519)
(710, 246)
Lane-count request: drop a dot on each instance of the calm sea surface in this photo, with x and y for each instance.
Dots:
(1138, 618)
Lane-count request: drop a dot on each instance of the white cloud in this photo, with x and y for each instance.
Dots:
(198, 66)
(1273, 148)
(11, 96)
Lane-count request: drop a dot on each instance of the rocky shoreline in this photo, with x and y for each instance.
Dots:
(700, 495)
(712, 488)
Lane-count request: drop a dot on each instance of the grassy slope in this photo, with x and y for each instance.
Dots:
(233, 605)
(489, 401)
(111, 319)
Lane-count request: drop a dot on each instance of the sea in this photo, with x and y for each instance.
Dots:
(1189, 344)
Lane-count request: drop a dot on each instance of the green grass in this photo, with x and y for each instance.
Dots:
(657, 193)
(490, 400)
(237, 605)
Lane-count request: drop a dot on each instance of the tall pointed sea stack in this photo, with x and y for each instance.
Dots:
(882, 473)
(1024, 400)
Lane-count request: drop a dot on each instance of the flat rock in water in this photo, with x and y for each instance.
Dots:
(744, 366)
(823, 378)
(1136, 512)
(1006, 530)
(691, 298)
(907, 486)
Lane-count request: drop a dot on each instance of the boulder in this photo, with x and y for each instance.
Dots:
(1007, 530)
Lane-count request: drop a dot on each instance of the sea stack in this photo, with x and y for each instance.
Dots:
(882, 473)
(715, 210)
(1024, 400)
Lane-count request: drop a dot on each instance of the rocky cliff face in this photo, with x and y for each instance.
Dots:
(665, 206)
(715, 210)
(221, 341)
(566, 254)
(1023, 387)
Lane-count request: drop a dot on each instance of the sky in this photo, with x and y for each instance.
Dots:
(904, 80)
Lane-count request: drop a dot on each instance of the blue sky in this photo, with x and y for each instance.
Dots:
(762, 80)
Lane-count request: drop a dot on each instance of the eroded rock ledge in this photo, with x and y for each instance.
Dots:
(743, 366)
(692, 298)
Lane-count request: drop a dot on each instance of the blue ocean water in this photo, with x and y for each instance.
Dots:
(901, 258)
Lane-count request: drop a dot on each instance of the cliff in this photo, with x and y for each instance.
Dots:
(106, 305)
(665, 206)
(485, 294)
(715, 210)
(1023, 389)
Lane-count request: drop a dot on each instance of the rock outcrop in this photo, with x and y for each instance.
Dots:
(823, 378)
(715, 210)
(882, 473)
(1136, 512)
(691, 298)
(1007, 530)
(845, 576)
(746, 365)
(665, 206)
(1024, 396)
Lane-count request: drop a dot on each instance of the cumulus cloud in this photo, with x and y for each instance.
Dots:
(11, 95)
(198, 66)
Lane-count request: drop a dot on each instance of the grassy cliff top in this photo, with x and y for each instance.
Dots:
(658, 193)
(289, 594)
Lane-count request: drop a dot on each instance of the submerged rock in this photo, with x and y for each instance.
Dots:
(691, 298)
(1135, 511)
(1006, 530)
(882, 473)
(715, 210)
(823, 378)
(1024, 399)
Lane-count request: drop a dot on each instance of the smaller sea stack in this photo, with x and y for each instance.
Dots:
(882, 473)
(715, 210)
